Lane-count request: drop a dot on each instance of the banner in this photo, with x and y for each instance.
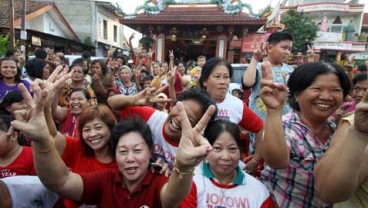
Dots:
(253, 42)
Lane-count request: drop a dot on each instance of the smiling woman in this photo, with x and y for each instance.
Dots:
(133, 185)
(215, 79)
(219, 181)
(166, 128)
(293, 144)
(9, 77)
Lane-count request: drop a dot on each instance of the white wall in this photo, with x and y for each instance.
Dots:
(51, 27)
(110, 30)
(36, 24)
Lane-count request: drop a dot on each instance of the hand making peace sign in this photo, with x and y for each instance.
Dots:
(272, 94)
(149, 96)
(193, 147)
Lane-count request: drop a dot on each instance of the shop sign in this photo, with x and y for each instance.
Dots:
(323, 7)
(253, 42)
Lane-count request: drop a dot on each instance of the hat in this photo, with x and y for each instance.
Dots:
(162, 95)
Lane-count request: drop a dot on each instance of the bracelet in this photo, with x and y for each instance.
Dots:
(45, 150)
(181, 173)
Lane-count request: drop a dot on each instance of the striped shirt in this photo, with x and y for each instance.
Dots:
(294, 185)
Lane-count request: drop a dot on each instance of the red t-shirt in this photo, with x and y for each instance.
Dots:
(107, 190)
(144, 112)
(75, 159)
(251, 121)
(69, 127)
(22, 165)
(177, 86)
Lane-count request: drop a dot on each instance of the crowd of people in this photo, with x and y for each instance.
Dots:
(105, 133)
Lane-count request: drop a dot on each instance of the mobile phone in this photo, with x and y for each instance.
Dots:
(156, 167)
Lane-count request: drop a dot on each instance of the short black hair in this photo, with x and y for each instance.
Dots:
(86, 54)
(10, 52)
(359, 77)
(277, 37)
(18, 76)
(303, 76)
(122, 58)
(201, 96)
(145, 72)
(148, 78)
(40, 54)
(216, 128)
(102, 64)
(209, 66)
(201, 56)
(79, 61)
(35, 67)
(84, 91)
(5, 121)
(74, 64)
(10, 98)
(127, 126)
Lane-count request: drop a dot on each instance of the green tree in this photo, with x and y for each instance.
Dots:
(4, 43)
(300, 27)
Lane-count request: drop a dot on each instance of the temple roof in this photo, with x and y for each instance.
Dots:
(205, 14)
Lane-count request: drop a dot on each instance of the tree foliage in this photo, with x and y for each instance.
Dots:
(4, 43)
(300, 27)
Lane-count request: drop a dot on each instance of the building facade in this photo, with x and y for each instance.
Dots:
(193, 28)
(96, 22)
(45, 27)
(340, 25)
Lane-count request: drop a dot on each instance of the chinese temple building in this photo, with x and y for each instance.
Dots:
(196, 27)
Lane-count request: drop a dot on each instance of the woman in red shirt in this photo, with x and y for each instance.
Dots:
(133, 185)
(14, 159)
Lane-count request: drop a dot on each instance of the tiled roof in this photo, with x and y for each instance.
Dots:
(193, 15)
(365, 19)
(32, 6)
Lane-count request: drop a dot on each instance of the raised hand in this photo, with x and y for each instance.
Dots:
(171, 76)
(193, 147)
(21, 57)
(171, 54)
(361, 115)
(110, 53)
(150, 53)
(260, 53)
(55, 82)
(35, 127)
(149, 96)
(272, 94)
(349, 64)
(310, 51)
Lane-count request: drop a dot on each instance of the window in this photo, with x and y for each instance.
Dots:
(115, 33)
(105, 29)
